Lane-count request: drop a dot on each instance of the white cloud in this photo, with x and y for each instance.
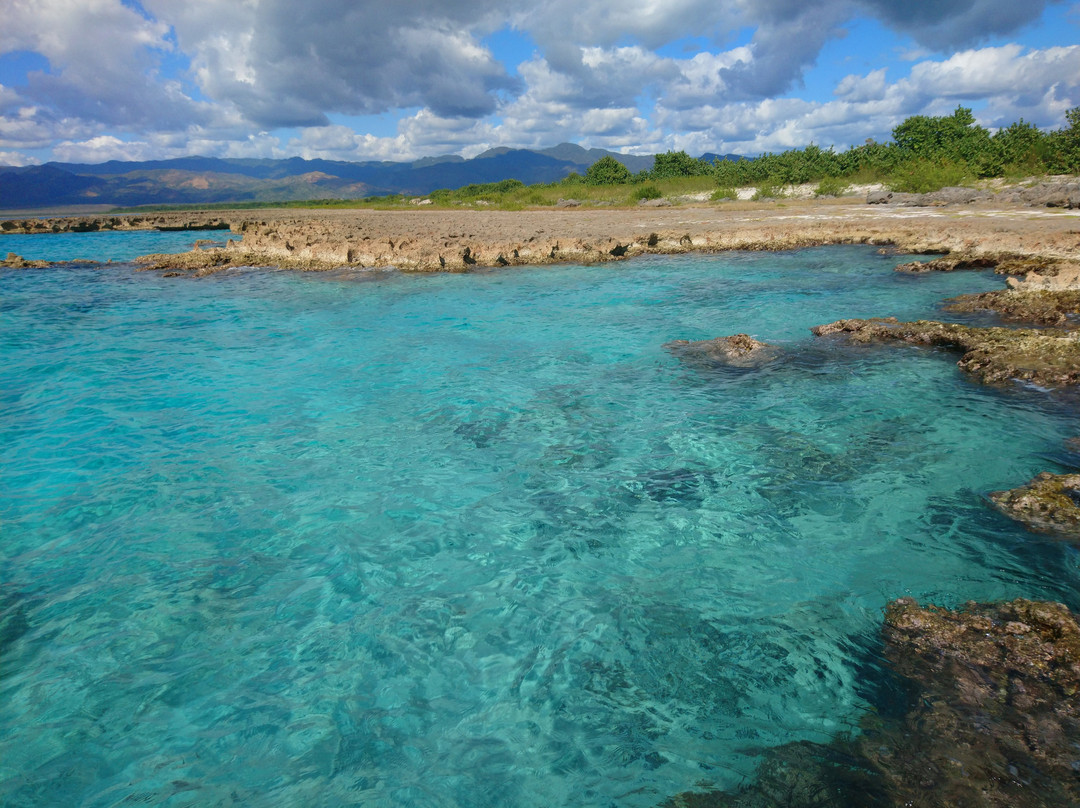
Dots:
(862, 88)
(250, 67)
(1038, 85)
(11, 158)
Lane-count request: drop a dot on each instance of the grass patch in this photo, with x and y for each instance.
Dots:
(648, 192)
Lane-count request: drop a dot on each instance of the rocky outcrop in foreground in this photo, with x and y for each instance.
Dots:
(739, 350)
(992, 355)
(1048, 504)
(990, 716)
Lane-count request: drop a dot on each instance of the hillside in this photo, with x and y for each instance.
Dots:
(206, 180)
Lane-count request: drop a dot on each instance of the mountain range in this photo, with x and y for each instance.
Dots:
(207, 180)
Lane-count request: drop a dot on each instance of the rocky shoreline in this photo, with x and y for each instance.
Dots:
(462, 240)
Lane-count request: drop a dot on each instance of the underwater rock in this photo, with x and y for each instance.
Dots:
(1047, 358)
(995, 714)
(990, 718)
(1036, 306)
(739, 350)
(1049, 503)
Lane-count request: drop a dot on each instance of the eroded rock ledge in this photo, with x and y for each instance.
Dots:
(990, 717)
(1001, 263)
(1036, 306)
(1047, 358)
(1048, 504)
(94, 224)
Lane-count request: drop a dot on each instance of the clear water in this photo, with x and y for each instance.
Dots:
(106, 246)
(275, 538)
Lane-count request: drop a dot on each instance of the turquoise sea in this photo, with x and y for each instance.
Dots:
(365, 538)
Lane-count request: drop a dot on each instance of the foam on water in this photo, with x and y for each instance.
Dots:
(476, 540)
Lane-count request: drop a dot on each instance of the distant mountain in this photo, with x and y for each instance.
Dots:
(205, 180)
(709, 157)
(573, 153)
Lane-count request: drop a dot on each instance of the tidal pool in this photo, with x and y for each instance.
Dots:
(363, 538)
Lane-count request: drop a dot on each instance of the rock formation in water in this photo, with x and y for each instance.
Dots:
(739, 350)
(1050, 503)
(1047, 358)
(1036, 306)
(990, 719)
(14, 261)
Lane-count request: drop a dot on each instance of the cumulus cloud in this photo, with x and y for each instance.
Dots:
(947, 24)
(10, 158)
(284, 63)
(220, 77)
(1038, 85)
(103, 59)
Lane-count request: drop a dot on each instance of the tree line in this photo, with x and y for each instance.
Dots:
(925, 153)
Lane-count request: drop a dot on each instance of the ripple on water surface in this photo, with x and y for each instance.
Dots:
(476, 540)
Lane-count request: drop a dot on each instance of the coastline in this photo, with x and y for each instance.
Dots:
(460, 240)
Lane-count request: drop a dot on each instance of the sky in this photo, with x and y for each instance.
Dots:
(95, 80)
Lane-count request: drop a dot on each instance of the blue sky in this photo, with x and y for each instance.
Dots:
(94, 80)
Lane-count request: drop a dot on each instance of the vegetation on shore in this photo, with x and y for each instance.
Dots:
(925, 154)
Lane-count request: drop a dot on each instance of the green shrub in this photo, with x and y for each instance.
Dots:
(922, 176)
(677, 164)
(648, 192)
(607, 171)
(832, 186)
(767, 190)
(721, 194)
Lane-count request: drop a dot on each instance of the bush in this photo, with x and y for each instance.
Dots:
(953, 137)
(648, 192)
(925, 176)
(767, 190)
(832, 186)
(677, 164)
(537, 198)
(721, 194)
(607, 171)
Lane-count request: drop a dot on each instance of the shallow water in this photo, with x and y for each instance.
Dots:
(104, 246)
(278, 538)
